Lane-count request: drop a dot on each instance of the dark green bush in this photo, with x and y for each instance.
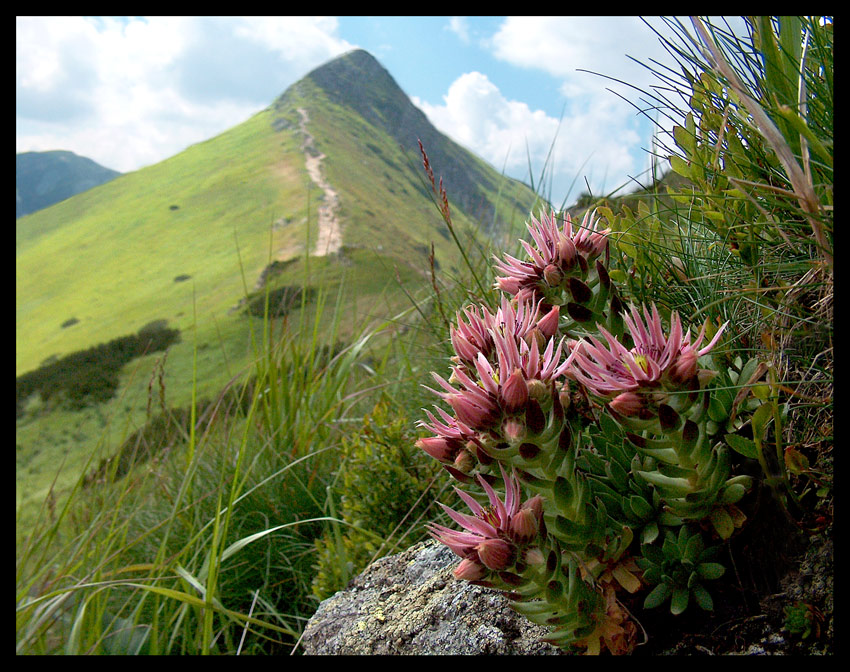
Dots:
(280, 301)
(90, 376)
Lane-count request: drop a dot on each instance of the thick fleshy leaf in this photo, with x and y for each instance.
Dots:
(679, 600)
(657, 596)
(702, 597)
(710, 570)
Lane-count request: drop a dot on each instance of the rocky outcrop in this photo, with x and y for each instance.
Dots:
(411, 604)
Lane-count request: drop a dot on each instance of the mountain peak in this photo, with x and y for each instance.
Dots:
(356, 80)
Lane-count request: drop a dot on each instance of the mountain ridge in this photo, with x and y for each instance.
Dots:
(194, 242)
(45, 178)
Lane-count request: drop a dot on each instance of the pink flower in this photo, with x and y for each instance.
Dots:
(489, 390)
(491, 535)
(518, 319)
(654, 359)
(470, 570)
(514, 393)
(553, 256)
(473, 335)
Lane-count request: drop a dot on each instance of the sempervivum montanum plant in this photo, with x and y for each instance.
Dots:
(600, 417)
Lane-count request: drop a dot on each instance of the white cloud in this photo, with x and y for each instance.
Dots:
(508, 133)
(476, 114)
(586, 54)
(460, 27)
(563, 45)
(130, 92)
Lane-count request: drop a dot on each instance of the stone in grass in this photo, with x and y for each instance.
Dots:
(411, 604)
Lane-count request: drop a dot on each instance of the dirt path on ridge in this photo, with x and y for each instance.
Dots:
(329, 239)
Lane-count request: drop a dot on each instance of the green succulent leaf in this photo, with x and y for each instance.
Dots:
(673, 487)
(710, 570)
(722, 522)
(732, 493)
(702, 597)
(742, 445)
(617, 474)
(657, 596)
(717, 410)
(649, 533)
(679, 600)
(653, 554)
(693, 548)
(641, 508)
(669, 519)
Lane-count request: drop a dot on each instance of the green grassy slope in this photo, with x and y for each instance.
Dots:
(110, 257)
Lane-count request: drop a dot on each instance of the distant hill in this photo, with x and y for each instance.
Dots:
(45, 178)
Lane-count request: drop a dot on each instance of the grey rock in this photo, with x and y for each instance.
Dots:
(411, 604)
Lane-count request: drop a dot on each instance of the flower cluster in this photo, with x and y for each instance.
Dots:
(657, 362)
(595, 486)
(499, 378)
(560, 253)
(474, 336)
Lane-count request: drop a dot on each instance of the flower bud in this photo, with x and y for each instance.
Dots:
(535, 505)
(685, 366)
(566, 251)
(524, 526)
(438, 447)
(514, 392)
(467, 411)
(509, 285)
(538, 390)
(534, 556)
(495, 554)
(628, 404)
(464, 461)
(548, 324)
(552, 275)
(470, 570)
(535, 335)
(465, 349)
(513, 429)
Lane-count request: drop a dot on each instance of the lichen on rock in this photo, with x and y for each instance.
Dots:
(411, 604)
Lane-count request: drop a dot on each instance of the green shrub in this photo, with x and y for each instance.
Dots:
(384, 481)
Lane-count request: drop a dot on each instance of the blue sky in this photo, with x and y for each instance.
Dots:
(132, 91)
